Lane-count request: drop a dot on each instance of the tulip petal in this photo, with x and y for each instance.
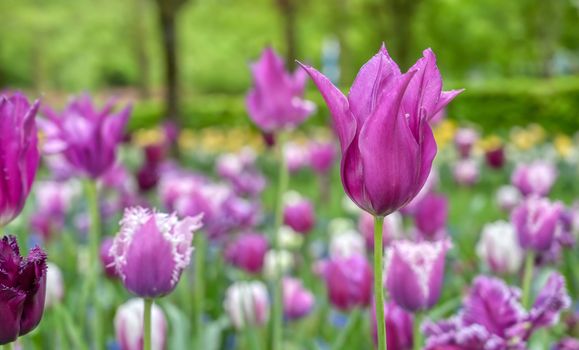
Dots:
(11, 304)
(445, 98)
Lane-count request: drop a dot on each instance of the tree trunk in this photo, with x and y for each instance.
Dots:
(401, 14)
(288, 11)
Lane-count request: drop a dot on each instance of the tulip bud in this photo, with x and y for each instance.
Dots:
(495, 157)
(508, 197)
(464, 140)
(415, 272)
(384, 131)
(398, 324)
(23, 289)
(247, 304)
(54, 285)
(321, 156)
(297, 301)
(466, 172)
(299, 213)
(152, 249)
(499, 249)
(391, 230)
(129, 326)
(348, 281)
(107, 260)
(247, 252)
(535, 221)
(535, 178)
(19, 154)
(431, 215)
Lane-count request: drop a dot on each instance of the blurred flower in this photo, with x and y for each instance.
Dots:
(495, 157)
(22, 289)
(129, 326)
(107, 260)
(429, 186)
(431, 215)
(296, 157)
(564, 146)
(508, 197)
(277, 262)
(298, 213)
(499, 249)
(87, 137)
(535, 178)
(290, 239)
(276, 100)
(391, 230)
(398, 327)
(387, 143)
(54, 285)
(348, 282)
(152, 249)
(240, 170)
(567, 344)
(297, 301)
(321, 156)
(466, 172)
(535, 221)
(19, 155)
(464, 140)
(415, 272)
(247, 252)
(53, 201)
(247, 304)
(346, 244)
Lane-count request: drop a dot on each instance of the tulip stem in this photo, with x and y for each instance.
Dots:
(91, 192)
(147, 324)
(417, 334)
(346, 332)
(9, 346)
(277, 312)
(199, 295)
(378, 283)
(527, 277)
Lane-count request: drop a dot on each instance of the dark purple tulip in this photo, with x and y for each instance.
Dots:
(495, 157)
(148, 176)
(398, 327)
(431, 215)
(348, 281)
(19, 155)
(276, 100)
(107, 260)
(247, 252)
(299, 214)
(387, 143)
(22, 289)
(297, 300)
(322, 156)
(415, 272)
(86, 136)
(536, 221)
(535, 178)
(151, 250)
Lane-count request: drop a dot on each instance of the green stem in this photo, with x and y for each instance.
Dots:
(70, 327)
(527, 278)
(568, 264)
(92, 196)
(277, 312)
(9, 346)
(253, 340)
(147, 324)
(199, 295)
(378, 284)
(417, 334)
(346, 333)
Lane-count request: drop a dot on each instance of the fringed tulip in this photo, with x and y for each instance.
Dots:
(22, 289)
(297, 301)
(152, 249)
(535, 178)
(299, 213)
(398, 327)
(86, 136)
(128, 324)
(19, 154)
(107, 260)
(276, 100)
(499, 249)
(348, 282)
(535, 222)
(247, 304)
(247, 252)
(382, 125)
(415, 272)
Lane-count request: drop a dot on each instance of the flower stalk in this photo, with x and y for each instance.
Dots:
(378, 283)
(199, 295)
(527, 277)
(147, 323)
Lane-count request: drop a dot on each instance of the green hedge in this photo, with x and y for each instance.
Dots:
(495, 106)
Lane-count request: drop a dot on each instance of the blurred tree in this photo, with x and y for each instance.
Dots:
(401, 17)
(168, 11)
(288, 11)
(140, 48)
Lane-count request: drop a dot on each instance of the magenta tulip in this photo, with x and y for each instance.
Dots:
(398, 327)
(297, 301)
(299, 214)
(431, 215)
(349, 282)
(321, 156)
(19, 155)
(247, 252)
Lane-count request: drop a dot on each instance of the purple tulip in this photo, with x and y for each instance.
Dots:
(240, 170)
(151, 250)
(297, 301)
(495, 157)
(536, 221)
(22, 289)
(107, 260)
(466, 172)
(321, 156)
(431, 215)
(398, 327)
(535, 178)
(247, 252)
(387, 143)
(415, 272)
(276, 100)
(464, 140)
(299, 213)
(86, 136)
(129, 326)
(247, 304)
(349, 282)
(19, 155)
(567, 344)
(430, 185)
(499, 249)
(53, 201)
